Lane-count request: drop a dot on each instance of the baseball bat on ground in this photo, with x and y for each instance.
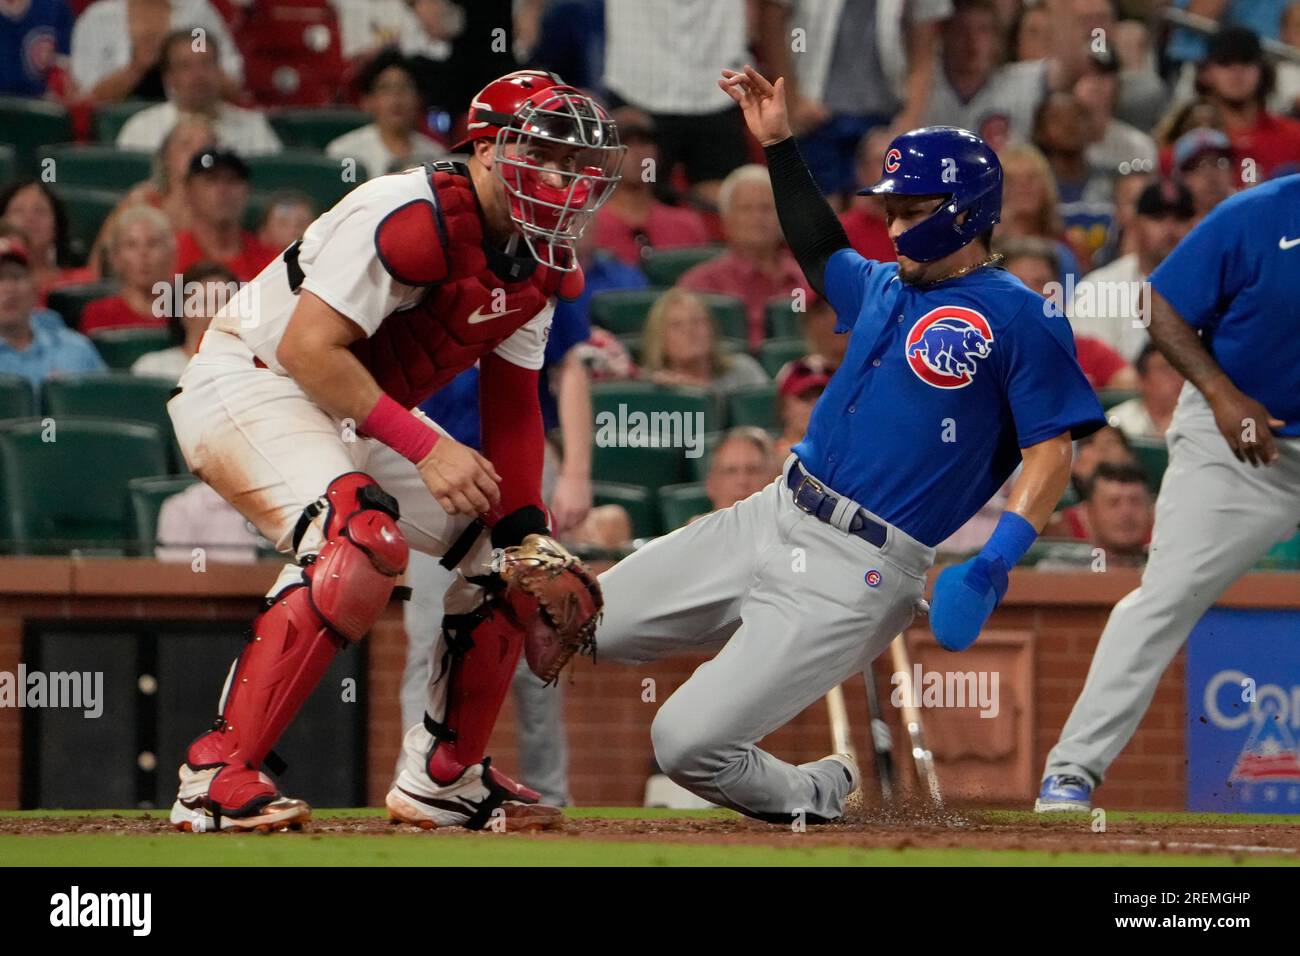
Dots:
(841, 738)
(882, 740)
(921, 755)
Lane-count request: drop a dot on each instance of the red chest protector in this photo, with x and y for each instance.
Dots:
(477, 296)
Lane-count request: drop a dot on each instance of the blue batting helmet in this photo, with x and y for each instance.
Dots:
(943, 161)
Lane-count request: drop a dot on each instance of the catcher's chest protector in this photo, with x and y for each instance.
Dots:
(474, 301)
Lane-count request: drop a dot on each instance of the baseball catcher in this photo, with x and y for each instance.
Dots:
(297, 410)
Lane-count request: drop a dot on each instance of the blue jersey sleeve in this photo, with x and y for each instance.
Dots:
(846, 279)
(63, 29)
(1044, 385)
(570, 326)
(1204, 271)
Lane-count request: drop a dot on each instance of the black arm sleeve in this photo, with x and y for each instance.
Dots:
(810, 225)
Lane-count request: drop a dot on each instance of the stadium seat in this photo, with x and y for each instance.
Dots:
(320, 177)
(752, 405)
(623, 463)
(651, 398)
(109, 119)
(1110, 397)
(114, 395)
(638, 501)
(27, 124)
(99, 167)
(72, 491)
(678, 504)
(698, 468)
(71, 300)
(623, 311)
(119, 348)
(776, 352)
(16, 398)
(729, 315)
(8, 164)
(147, 496)
(780, 318)
(87, 209)
(315, 128)
(665, 266)
(1153, 456)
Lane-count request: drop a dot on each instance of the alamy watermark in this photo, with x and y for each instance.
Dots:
(78, 690)
(943, 689)
(626, 428)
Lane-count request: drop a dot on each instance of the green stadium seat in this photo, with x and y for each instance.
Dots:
(1153, 455)
(71, 300)
(622, 463)
(639, 502)
(1110, 397)
(27, 124)
(623, 311)
(666, 266)
(780, 318)
(109, 119)
(147, 496)
(118, 396)
(1283, 556)
(320, 177)
(651, 398)
(98, 167)
(8, 163)
(729, 314)
(315, 128)
(72, 491)
(753, 405)
(119, 348)
(698, 468)
(16, 397)
(774, 353)
(87, 209)
(678, 504)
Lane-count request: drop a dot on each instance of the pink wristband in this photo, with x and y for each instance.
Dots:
(399, 430)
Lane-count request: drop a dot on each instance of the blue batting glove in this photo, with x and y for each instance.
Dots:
(964, 597)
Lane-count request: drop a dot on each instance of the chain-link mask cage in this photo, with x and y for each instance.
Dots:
(559, 160)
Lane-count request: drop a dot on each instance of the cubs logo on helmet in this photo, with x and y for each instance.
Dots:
(945, 346)
(893, 160)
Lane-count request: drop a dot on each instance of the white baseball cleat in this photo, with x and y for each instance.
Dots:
(192, 813)
(482, 798)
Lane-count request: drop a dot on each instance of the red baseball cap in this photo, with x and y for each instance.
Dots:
(11, 247)
(802, 376)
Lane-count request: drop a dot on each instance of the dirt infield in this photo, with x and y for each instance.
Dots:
(1233, 838)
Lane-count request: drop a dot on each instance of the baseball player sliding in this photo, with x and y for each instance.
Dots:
(297, 410)
(1224, 312)
(954, 376)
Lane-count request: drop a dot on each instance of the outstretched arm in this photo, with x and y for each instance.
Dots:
(810, 225)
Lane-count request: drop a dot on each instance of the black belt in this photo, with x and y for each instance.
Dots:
(811, 496)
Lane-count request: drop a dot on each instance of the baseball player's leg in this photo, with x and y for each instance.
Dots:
(1215, 517)
(260, 443)
(543, 741)
(806, 630)
(422, 618)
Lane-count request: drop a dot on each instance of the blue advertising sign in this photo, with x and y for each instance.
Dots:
(1243, 712)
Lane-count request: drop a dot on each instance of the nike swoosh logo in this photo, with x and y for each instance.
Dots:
(1284, 243)
(477, 315)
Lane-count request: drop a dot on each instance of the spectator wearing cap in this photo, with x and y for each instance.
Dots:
(217, 188)
(757, 266)
(1159, 384)
(680, 346)
(1205, 163)
(142, 252)
(34, 350)
(1237, 78)
(36, 211)
(864, 65)
(798, 386)
(633, 219)
(1108, 303)
(34, 45)
(1117, 148)
(392, 140)
(118, 46)
(1085, 196)
(192, 80)
(864, 219)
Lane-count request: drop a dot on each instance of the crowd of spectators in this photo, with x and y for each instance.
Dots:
(1117, 131)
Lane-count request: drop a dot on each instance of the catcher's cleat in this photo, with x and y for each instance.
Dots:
(483, 798)
(195, 812)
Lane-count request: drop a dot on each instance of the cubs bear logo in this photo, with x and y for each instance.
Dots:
(893, 159)
(945, 345)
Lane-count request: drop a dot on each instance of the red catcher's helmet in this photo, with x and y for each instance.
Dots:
(556, 151)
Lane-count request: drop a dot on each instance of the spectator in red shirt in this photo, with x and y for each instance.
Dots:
(217, 187)
(864, 220)
(757, 266)
(32, 207)
(142, 252)
(1235, 76)
(633, 220)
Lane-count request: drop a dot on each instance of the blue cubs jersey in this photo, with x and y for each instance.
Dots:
(1233, 278)
(30, 43)
(941, 387)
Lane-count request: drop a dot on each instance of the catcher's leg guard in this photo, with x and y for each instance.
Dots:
(339, 594)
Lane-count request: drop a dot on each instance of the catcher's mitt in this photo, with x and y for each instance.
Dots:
(567, 599)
